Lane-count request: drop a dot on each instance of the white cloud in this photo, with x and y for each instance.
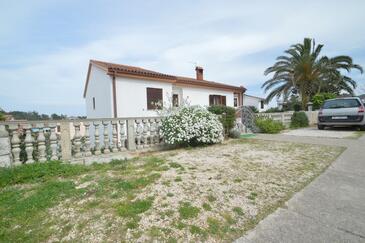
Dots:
(225, 38)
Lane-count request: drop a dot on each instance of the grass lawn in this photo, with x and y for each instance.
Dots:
(213, 193)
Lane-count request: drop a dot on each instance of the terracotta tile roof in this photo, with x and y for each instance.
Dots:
(119, 68)
(122, 70)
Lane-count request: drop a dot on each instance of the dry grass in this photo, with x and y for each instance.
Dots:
(212, 194)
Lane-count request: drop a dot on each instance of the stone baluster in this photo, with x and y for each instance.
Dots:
(122, 135)
(106, 137)
(42, 156)
(153, 131)
(115, 136)
(158, 134)
(139, 130)
(146, 129)
(53, 141)
(15, 144)
(97, 139)
(87, 139)
(77, 140)
(29, 143)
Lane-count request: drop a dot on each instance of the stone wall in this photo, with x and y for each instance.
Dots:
(77, 141)
(5, 148)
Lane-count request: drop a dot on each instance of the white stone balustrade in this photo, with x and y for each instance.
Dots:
(76, 140)
(41, 139)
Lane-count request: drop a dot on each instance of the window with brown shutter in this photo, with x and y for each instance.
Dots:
(175, 100)
(154, 98)
(217, 100)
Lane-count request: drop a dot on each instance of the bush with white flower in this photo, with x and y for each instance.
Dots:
(191, 125)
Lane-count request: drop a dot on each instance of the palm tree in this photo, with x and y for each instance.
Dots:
(302, 71)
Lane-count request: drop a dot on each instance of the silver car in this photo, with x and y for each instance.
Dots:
(342, 112)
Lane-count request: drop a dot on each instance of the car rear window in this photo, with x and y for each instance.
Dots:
(345, 103)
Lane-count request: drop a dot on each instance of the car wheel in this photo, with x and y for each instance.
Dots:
(362, 128)
(320, 127)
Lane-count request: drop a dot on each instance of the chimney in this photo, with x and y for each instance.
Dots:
(199, 73)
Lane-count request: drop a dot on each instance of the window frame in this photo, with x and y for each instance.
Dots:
(173, 100)
(222, 100)
(150, 93)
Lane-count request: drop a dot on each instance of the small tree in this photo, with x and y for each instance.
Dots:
(2, 115)
(319, 99)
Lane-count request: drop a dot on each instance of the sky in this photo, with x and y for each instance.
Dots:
(45, 46)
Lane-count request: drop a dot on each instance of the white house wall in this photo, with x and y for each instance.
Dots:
(132, 96)
(100, 87)
(253, 101)
(200, 96)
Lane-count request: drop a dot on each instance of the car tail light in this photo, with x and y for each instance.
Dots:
(361, 109)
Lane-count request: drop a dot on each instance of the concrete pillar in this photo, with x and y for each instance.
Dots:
(66, 147)
(310, 106)
(131, 139)
(5, 148)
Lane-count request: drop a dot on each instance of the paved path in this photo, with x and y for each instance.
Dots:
(330, 209)
(314, 132)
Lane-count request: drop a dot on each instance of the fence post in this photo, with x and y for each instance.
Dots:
(66, 147)
(5, 148)
(283, 118)
(131, 139)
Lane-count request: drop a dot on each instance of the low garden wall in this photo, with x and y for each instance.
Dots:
(78, 141)
(285, 117)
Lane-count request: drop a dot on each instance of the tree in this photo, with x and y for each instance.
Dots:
(302, 71)
(2, 115)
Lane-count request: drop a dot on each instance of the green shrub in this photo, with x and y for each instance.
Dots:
(299, 119)
(227, 116)
(191, 126)
(273, 110)
(234, 133)
(319, 99)
(269, 125)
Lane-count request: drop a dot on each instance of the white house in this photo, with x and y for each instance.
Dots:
(258, 102)
(114, 90)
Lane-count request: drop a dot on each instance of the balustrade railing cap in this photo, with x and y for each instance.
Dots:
(13, 126)
(40, 125)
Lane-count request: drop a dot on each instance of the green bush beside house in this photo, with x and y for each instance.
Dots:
(269, 125)
(299, 119)
(227, 116)
(319, 99)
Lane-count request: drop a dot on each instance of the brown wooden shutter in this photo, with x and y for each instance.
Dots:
(211, 100)
(223, 99)
(153, 96)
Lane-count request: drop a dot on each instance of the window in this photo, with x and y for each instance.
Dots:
(175, 100)
(217, 100)
(94, 103)
(341, 103)
(235, 101)
(154, 98)
(262, 104)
